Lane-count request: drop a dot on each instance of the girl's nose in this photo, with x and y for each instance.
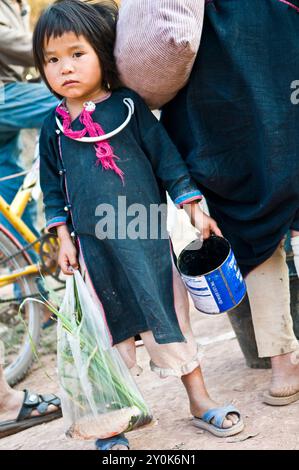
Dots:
(66, 68)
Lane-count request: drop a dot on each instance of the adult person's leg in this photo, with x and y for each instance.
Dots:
(10, 150)
(269, 296)
(24, 106)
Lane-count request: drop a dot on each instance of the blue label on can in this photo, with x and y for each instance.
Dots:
(226, 284)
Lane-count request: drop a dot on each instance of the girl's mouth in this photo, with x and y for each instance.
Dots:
(70, 82)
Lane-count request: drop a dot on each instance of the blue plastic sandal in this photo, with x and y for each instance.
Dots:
(107, 444)
(219, 415)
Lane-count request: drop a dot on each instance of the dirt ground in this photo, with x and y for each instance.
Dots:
(227, 378)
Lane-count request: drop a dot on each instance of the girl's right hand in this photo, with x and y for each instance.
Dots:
(202, 221)
(67, 257)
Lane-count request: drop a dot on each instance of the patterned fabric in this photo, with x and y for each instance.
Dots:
(157, 42)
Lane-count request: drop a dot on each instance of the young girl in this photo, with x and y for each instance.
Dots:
(103, 152)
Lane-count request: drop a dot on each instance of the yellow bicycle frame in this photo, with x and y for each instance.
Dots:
(13, 214)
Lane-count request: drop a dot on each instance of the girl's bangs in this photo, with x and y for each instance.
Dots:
(60, 25)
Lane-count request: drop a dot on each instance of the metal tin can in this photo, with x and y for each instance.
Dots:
(211, 275)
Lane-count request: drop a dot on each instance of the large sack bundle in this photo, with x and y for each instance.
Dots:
(157, 42)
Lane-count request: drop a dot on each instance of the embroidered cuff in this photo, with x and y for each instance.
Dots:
(188, 198)
(55, 222)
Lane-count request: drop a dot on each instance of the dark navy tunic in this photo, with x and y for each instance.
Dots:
(236, 122)
(132, 277)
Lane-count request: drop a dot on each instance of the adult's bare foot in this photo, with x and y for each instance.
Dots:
(21, 410)
(10, 403)
(285, 375)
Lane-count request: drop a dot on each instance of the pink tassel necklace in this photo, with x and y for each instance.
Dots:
(104, 151)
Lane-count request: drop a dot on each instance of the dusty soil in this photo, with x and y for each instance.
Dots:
(227, 379)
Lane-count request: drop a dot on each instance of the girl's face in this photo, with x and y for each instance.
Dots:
(72, 68)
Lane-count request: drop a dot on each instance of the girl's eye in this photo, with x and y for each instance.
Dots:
(78, 54)
(53, 60)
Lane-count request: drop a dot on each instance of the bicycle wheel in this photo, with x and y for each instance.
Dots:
(15, 336)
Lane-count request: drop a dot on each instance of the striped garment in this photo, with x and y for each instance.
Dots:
(157, 42)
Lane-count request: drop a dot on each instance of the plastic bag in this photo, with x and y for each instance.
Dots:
(99, 396)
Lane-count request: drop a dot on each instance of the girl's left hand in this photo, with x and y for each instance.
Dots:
(203, 222)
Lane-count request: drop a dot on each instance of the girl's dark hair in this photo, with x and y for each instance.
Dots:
(95, 21)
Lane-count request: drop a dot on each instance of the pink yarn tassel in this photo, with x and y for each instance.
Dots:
(104, 151)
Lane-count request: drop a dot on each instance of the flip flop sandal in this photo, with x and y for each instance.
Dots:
(280, 401)
(107, 444)
(219, 415)
(31, 402)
